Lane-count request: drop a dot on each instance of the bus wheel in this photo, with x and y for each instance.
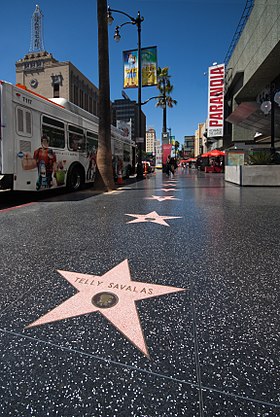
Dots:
(75, 178)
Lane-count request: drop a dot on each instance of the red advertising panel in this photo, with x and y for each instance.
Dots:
(166, 150)
(216, 101)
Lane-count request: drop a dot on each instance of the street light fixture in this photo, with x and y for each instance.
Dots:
(117, 36)
(151, 98)
(133, 21)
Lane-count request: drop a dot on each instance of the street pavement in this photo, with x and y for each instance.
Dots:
(160, 299)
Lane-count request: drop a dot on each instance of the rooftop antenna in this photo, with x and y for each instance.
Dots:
(37, 42)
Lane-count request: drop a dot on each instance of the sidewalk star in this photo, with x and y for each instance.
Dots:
(160, 198)
(113, 295)
(152, 217)
(168, 189)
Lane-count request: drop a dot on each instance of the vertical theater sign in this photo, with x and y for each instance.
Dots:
(216, 101)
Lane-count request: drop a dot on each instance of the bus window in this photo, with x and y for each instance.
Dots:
(28, 122)
(92, 142)
(20, 120)
(77, 141)
(23, 122)
(54, 129)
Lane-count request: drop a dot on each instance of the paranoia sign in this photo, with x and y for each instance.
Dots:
(216, 101)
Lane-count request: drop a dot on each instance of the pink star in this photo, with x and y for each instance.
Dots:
(160, 198)
(152, 217)
(113, 295)
(168, 189)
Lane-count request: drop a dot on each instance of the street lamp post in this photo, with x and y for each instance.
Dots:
(169, 130)
(134, 21)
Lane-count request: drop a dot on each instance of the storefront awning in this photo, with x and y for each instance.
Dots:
(249, 115)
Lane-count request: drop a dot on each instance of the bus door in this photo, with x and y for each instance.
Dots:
(25, 169)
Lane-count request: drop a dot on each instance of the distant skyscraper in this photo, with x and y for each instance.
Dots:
(150, 140)
(37, 42)
(126, 110)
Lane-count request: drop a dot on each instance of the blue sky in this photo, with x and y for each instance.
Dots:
(189, 34)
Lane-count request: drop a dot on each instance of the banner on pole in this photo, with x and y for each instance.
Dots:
(149, 67)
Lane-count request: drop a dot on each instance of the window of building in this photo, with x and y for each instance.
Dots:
(81, 99)
(56, 90)
(86, 101)
(90, 104)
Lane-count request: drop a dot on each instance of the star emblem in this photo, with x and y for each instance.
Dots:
(151, 217)
(113, 295)
(160, 198)
(168, 189)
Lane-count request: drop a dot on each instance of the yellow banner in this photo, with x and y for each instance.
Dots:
(148, 64)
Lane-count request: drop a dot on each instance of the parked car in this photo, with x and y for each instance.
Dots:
(147, 167)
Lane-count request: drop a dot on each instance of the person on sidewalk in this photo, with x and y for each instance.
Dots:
(167, 166)
(173, 166)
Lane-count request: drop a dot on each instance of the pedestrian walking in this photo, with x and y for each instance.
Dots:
(167, 169)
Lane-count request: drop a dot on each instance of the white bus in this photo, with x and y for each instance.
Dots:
(50, 143)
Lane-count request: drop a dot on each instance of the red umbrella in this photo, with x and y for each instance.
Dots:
(216, 152)
(205, 155)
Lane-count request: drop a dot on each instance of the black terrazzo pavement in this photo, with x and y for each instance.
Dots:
(214, 349)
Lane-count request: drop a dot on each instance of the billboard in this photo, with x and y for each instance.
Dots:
(216, 101)
(125, 127)
(149, 67)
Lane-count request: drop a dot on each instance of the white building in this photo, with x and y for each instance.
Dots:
(150, 140)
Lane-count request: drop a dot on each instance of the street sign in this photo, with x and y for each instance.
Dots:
(139, 140)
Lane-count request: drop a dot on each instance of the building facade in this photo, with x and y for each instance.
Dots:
(127, 110)
(158, 151)
(40, 72)
(253, 80)
(43, 74)
(150, 140)
(189, 142)
(200, 140)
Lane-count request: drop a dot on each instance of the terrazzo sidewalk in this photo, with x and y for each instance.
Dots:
(160, 299)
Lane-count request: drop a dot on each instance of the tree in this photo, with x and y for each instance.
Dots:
(104, 180)
(165, 87)
(177, 145)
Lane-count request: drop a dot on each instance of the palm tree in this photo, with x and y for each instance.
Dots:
(105, 180)
(165, 87)
(177, 145)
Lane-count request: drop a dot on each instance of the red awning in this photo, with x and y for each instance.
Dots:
(216, 152)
